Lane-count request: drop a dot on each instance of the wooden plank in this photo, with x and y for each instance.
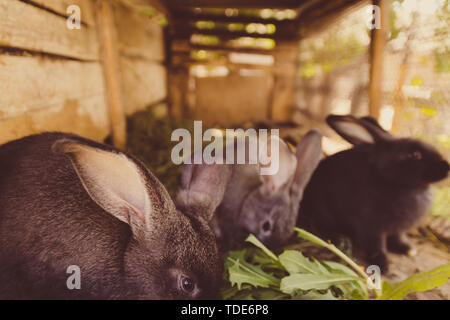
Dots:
(284, 68)
(180, 45)
(30, 28)
(60, 6)
(178, 91)
(236, 3)
(237, 94)
(157, 4)
(43, 94)
(183, 15)
(72, 117)
(143, 83)
(138, 36)
(377, 45)
(30, 83)
(283, 98)
(185, 32)
(109, 54)
(284, 51)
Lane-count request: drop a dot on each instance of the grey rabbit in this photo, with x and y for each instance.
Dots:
(264, 205)
(373, 192)
(68, 201)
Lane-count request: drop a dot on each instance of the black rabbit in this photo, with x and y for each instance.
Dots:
(373, 192)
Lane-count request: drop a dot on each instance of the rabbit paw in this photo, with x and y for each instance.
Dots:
(397, 244)
(379, 259)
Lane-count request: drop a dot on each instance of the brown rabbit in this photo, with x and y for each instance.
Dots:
(68, 201)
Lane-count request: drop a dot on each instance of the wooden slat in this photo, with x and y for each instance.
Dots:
(60, 6)
(178, 91)
(284, 68)
(32, 83)
(284, 30)
(236, 3)
(42, 94)
(180, 45)
(182, 16)
(237, 94)
(185, 32)
(107, 35)
(377, 47)
(284, 51)
(318, 16)
(138, 36)
(159, 5)
(143, 83)
(30, 28)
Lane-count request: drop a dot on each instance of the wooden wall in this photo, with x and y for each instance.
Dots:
(232, 100)
(51, 77)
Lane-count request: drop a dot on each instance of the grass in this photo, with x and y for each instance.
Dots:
(441, 202)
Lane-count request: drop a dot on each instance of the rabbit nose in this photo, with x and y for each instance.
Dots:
(267, 226)
(445, 167)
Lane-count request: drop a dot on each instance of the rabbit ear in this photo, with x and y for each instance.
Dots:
(372, 120)
(371, 124)
(202, 189)
(358, 131)
(116, 183)
(286, 164)
(309, 153)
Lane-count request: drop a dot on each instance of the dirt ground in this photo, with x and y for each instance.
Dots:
(431, 248)
(428, 256)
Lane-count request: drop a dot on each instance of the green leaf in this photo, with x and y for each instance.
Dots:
(228, 292)
(295, 262)
(292, 283)
(253, 240)
(418, 282)
(356, 290)
(340, 267)
(315, 295)
(243, 272)
(310, 237)
(269, 294)
(322, 268)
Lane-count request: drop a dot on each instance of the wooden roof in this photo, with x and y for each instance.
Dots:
(230, 22)
(311, 16)
(237, 3)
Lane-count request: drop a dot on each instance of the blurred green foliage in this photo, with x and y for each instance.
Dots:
(331, 53)
(149, 139)
(442, 33)
(442, 61)
(256, 273)
(441, 202)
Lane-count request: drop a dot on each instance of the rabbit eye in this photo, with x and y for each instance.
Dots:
(417, 155)
(187, 284)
